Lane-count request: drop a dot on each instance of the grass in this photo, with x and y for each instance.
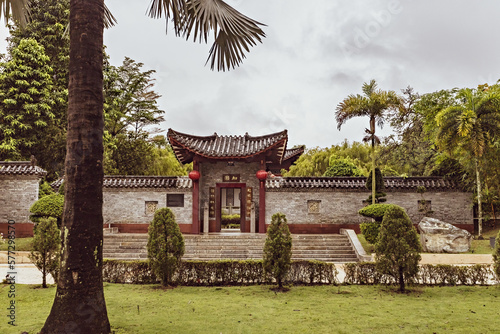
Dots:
(257, 309)
(22, 244)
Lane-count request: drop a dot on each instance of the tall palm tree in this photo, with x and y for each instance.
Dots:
(468, 128)
(79, 305)
(374, 104)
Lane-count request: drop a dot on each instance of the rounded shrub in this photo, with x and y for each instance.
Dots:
(370, 230)
(398, 247)
(48, 206)
(375, 211)
(165, 245)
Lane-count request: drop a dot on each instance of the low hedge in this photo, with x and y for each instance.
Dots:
(441, 274)
(222, 272)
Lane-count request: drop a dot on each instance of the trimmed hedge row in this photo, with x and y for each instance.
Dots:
(223, 272)
(441, 274)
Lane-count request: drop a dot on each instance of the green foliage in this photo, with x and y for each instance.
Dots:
(166, 163)
(48, 23)
(48, 206)
(60, 191)
(441, 274)
(230, 221)
(496, 257)
(220, 273)
(370, 230)
(278, 248)
(398, 247)
(379, 186)
(46, 246)
(130, 103)
(25, 100)
(342, 167)
(128, 154)
(375, 211)
(44, 189)
(165, 245)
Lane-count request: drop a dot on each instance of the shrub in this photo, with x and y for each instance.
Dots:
(342, 167)
(370, 230)
(375, 211)
(398, 247)
(229, 221)
(48, 206)
(44, 189)
(278, 249)
(165, 245)
(46, 246)
(379, 186)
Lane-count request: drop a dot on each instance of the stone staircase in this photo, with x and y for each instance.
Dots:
(237, 246)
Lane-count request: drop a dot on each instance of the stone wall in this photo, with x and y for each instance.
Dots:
(18, 193)
(136, 206)
(328, 210)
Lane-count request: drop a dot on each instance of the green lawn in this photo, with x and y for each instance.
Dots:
(256, 309)
(22, 244)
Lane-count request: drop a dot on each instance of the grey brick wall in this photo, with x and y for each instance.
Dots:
(17, 194)
(128, 206)
(341, 207)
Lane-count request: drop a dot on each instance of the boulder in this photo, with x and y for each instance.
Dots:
(437, 236)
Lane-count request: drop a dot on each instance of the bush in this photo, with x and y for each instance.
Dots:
(46, 246)
(230, 221)
(370, 230)
(44, 189)
(48, 206)
(375, 211)
(165, 245)
(221, 272)
(398, 247)
(278, 249)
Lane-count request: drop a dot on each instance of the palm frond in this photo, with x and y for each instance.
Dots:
(19, 9)
(172, 9)
(109, 19)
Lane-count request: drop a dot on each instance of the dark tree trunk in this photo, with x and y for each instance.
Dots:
(44, 271)
(79, 305)
(401, 280)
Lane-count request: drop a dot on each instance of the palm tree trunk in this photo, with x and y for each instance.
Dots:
(479, 200)
(79, 305)
(374, 181)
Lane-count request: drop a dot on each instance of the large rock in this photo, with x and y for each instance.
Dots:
(437, 236)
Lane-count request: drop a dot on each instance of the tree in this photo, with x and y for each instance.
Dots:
(371, 229)
(278, 249)
(46, 246)
(48, 206)
(130, 103)
(128, 154)
(48, 23)
(496, 257)
(165, 245)
(342, 167)
(25, 100)
(79, 304)
(398, 247)
(373, 104)
(468, 128)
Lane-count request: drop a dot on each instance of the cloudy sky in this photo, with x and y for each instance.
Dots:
(315, 54)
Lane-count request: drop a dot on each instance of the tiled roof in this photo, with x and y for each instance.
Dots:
(119, 181)
(294, 152)
(225, 147)
(434, 183)
(20, 168)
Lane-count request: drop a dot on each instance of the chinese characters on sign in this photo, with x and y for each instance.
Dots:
(249, 198)
(231, 178)
(211, 202)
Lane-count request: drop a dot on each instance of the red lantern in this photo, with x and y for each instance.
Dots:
(261, 175)
(194, 175)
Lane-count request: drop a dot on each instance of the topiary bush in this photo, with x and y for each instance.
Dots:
(379, 187)
(278, 249)
(398, 247)
(44, 189)
(46, 246)
(48, 206)
(375, 211)
(165, 245)
(370, 230)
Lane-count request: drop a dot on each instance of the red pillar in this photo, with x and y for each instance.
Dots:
(194, 175)
(262, 175)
